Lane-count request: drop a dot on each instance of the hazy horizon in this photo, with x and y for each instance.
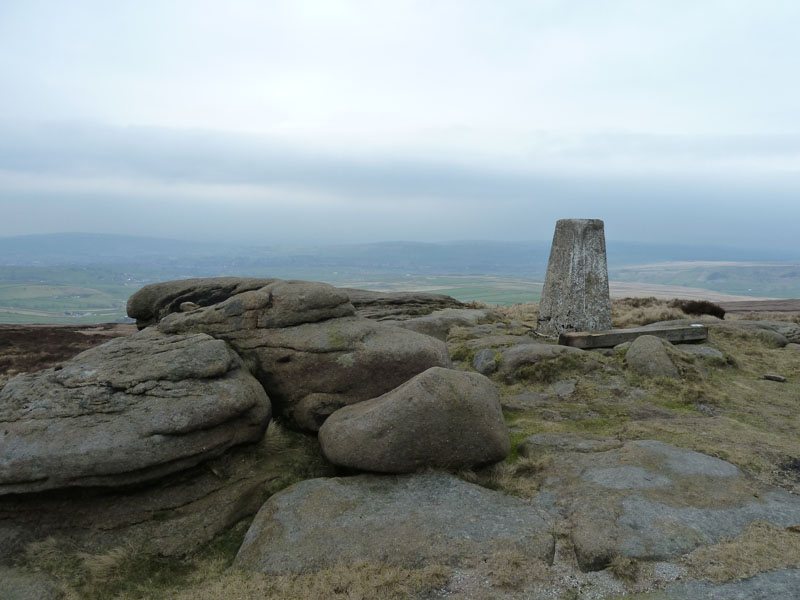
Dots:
(350, 122)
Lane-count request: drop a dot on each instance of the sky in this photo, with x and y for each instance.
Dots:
(674, 121)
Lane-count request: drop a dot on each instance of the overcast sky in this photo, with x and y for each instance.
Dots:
(295, 121)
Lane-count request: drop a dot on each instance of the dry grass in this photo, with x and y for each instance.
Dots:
(761, 547)
(518, 478)
(634, 312)
(624, 568)
(359, 581)
(512, 570)
(793, 317)
(524, 312)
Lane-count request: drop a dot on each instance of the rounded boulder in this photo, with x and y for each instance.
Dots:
(440, 418)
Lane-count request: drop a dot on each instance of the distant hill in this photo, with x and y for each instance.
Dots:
(513, 258)
(87, 278)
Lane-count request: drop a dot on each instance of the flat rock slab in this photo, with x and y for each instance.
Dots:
(701, 351)
(438, 324)
(536, 444)
(440, 418)
(775, 585)
(613, 337)
(131, 410)
(402, 520)
(398, 305)
(651, 500)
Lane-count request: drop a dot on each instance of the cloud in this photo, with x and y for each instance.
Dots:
(201, 184)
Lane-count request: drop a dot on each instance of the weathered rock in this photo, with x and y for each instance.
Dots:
(654, 501)
(440, 418)
(789, 330)
(171, 516)
(308, 353)
(277, 305)
(562, 388)
(770, 337)
(793, 347)
(775, 333)
(647, 356)
(407, 520)
(155, 301)
(775, 377)
(398, 305)
(129, 411)
(701, 351)
(575, 295)
(609, 338)
(16, 584)
(529, 354)
(485, 361)
(773, 585)
(439, 323)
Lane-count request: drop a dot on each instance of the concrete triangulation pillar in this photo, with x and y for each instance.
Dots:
(575, 295)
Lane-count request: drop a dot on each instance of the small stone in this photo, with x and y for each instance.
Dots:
(484, 361)
(701, 351)
(647, 356)
(562, 388)
(775, 377)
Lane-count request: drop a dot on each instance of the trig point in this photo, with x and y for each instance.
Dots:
(575, 295)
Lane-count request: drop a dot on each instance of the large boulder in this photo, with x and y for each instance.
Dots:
(408, 520)
(155, 301)
(648, 356)
(126, 412)
(440, 418)
(310, 353)
(170, 516)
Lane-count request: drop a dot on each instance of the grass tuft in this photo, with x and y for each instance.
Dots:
(624, 568)
(761, 547)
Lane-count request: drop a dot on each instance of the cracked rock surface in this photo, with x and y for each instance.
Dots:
(309, 350)
(126, 412)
